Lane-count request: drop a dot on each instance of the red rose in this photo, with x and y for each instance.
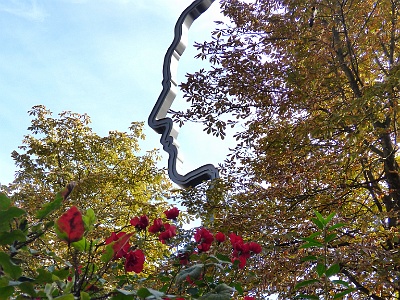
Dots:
(172, 214)
(242, 261)
(157, 226)
(169, 232)
(249, 298)
(255, 248)
(235, 239)
(121, 243)
(140, 223)
(220, 237)
(204, 238)
(70, 227)
(134, 261)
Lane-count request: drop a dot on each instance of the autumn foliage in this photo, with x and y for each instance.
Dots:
(311, 90)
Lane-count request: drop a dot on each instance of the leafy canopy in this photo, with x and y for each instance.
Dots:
(312, 89)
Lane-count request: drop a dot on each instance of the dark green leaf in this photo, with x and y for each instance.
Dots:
(27, 288)
(8, 238)
(330, 237)
(5, 202)
(303, 296)
(309, 258)
(7, 215)
(238, 287)
(223, 258)
(143, 293)
(9, 267)
(6, 292)
(320, 218)
(305, 283)
(44, 276)
(338, 225)
(345, 292)
(332, 270)
(221, 292)
(311, 244)
(193, 272)
(317, 222)
(329, 218)
(320, 269)
(48, 208)
(341, 282)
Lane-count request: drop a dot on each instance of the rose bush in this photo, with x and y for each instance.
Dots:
(197, 264)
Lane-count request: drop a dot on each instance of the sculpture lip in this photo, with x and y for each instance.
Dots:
(157, 118)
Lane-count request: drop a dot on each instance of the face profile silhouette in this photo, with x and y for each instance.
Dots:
(158, 120)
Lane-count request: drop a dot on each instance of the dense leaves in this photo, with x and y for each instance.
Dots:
(64, 149)
(312, 89)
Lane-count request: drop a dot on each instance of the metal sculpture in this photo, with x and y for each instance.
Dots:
(158, 120)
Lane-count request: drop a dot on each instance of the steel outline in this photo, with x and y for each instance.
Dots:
(157, 118)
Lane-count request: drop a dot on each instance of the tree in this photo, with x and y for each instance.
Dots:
(312, 88)
(108, 174)
(111, 177)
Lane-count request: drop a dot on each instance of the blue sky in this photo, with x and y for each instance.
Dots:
(99, 57)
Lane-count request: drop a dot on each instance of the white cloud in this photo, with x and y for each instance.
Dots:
(28, 9)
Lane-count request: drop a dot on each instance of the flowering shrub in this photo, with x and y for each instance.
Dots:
(204, 267)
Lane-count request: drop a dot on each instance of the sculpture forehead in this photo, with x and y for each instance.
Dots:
(158, 120)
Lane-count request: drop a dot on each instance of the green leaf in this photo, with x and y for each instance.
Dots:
(320, 269)
(193, 291)
(123, 297)
(338, 225)
(8, 238)
(329, 218)
(48, 208)
(5, 202)
(311, 240)
(223, 258)
(62, 273)
(143, 293)
(82, 245)
(330, 237)
(27, 288)
(4, 281)
(89, 219)
(238, 287)
(309, 258)
(320, 218)
(6, 292)
(303, 296)
(305, 283)
(7, 215)
(9, 267)
(108, 253)
(221, 292)
(85, 296)
(341, 282)
(311, 244)
(65, 297)
(345, 292)
(193, 272)
(332, 270)
(317, 222)
(43, 276)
